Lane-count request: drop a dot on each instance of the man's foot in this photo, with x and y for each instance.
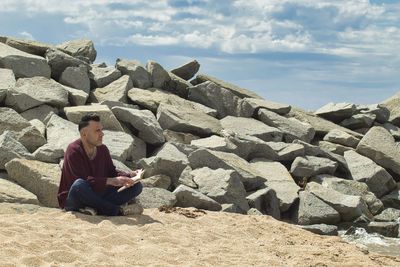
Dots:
(131, 209)
(88, 211)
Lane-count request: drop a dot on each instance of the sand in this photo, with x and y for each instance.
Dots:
(51, 237)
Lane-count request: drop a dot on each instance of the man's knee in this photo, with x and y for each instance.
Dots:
(139, 188)
(78, 185)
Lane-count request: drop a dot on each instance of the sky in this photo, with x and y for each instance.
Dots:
(305, 53)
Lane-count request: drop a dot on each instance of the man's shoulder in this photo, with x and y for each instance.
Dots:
(74, 146)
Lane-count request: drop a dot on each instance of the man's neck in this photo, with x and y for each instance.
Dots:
(89, 149)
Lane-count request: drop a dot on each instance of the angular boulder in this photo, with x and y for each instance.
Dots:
(11, 192)
(336, 112)
(382, 113)
(159, 180)
(59, 61)
(187, 70)
(389, 229)
(61, 132)
(76, 97)
(265, 201)
(76, 77)
(321, 229)
(10, 149)
(159, 76)
(153, 197)
(388, 215)
(115, 91)
(7, 81)
(119, 143)
(359, 121)
(340, 137)
(256, 104)
(308, 166)
(287, 152)
(188, 197)
(102, 76)
(29, 46)
(42, 113)
(140, 77)
(392, 200)
(80, 48)
(334, 148)
(393, 105)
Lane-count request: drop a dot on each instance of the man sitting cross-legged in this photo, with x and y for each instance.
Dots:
(89, 180)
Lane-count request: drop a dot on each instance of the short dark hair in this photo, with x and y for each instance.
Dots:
(86, 118)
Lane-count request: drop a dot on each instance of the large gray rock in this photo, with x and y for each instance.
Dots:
(120, 144)
(188, 197)
(139, 149)
(312, 210)
(187, 120)
(393, 105)
(392, 200)
(178, 137)
(49, 152)
(186, 177)
(349, 207)
(382, 113)
(80, 48)
(251, 178)
(59, 61)
(76, 77)
(153, 197)
(340, 137)
(23, 64)
(28, 46)
(76, 97)
(7, 81)
(321, 229)
(388, 215)
(389, 229)
(141, 78)
(42, 113)
(240, 92)
(336, 112)
(107, 118)
(287, 152)
(224, 186)
(36, 91)
(168, 161)
(42, 179)
(178, 85)
(159, 76)
(151, 98)
(279, 179)
(23, 131)
(159, 180)
(256, 104)
(362, 169)
(359, 121)
(334, 148)
(350, 187)
(61, 132)
(308, 166)
(102, 76)
(393, 130)
(10, 149)
(221, 99)
(11, 192)
(216, 143)
(292, 128)
(379, 145)
(144, 121)
(265, 201)
(252, 127)
(187, 70)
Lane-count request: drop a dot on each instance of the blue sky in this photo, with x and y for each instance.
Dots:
(305, 53)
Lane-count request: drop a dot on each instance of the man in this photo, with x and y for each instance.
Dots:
(89, 180)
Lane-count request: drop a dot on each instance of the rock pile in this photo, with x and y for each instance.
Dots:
(205, 143)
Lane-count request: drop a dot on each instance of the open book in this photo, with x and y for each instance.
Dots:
(135, 179)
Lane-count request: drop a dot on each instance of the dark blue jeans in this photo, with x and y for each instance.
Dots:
(106, 203)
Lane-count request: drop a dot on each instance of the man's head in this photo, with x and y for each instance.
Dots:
(91, 130)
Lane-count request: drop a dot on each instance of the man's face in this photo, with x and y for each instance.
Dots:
(93, 133)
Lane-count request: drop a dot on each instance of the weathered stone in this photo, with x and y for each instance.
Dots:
(61, 132)
(159, 76)
(321, 125)
(7, 81)
(349, 207)
(382, 113)
(75, 96)
(120, 144)
(393, 130)
(279, 179)
(312, 210)
(186, 177)
(177, 137)
(265, 201)
(336, 112)
(188, 197)
(216, 143)
(119, 166)
(221, 99)
(39, 125)
(187, 70)
(308, 166)
(224, 186)
(140, 77)
(49, 152)
(358, 121)
(292, 128)
(321, 229)
(350, 187)
(40, 178)
(36, 91)
(251, 178)
(115, 91)
(144, 121)
(23, 64)
(393, 105)
(256, 104)
(107, 118)
(240, 92)
(379, 145)
(29, 46)
(154, 197)
(392, 200)
(10, 149)
(151, 98)
(139, 149)
(187, 120)
(389, 229)
(76, 77)
(232, 208)
(102, 76)
(340, 137)
(388, 215)
(362, 169)
(59, 61)
(42, 113)
(287, 152)
(11, 192)
(254, 212)
(334, 148)
(252, 127)
(82, 48)
(178, 85)
(159, 180)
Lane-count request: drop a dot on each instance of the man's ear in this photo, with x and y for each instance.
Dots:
(83, 133)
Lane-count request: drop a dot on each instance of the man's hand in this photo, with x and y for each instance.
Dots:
(133, 174)
(120, 181)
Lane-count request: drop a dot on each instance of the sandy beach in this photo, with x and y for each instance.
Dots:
(51, 237)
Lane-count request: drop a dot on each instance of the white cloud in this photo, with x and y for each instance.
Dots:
(26, 35)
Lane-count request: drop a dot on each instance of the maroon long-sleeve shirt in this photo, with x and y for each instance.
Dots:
(78, 165)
